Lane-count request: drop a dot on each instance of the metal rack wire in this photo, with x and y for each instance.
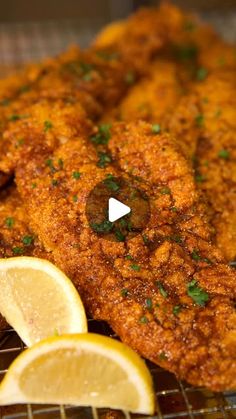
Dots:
(175, 399)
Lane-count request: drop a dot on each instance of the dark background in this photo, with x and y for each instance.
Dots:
(37, 10)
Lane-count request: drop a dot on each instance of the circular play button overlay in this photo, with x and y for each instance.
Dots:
(116, 210)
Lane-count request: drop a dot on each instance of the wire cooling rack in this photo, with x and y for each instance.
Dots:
(175, 399)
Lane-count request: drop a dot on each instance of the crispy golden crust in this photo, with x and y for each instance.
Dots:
(176, 248)
(155, 96)
(207, 117)
(178, 306)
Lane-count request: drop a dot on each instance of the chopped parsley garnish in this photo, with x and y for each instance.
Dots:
(162, 290)
(27, 240)
(4, 102)
(111, 183)
(130, 77)
(47, 126)
(198, 294)
(145, 239)
(165, 191)
(177, 309)
(201, 73)
(20, 142)
(104, 159)
(75, 198)
(54, 182)
(103, 227)
(86, 70)
(200, 178)
(189, 26)
(156, 129)
(60, 163)
(148, 303)
(103, 135)
(224, 154)
(186, 52)
(143, 320)
(128, 257)
(135, 267)
(107, 56)
(176, 238)
(17, 250)
(199, 120)
(49, 163)
(195, 255)
(24, 88)
(15, 117)
(163, 356)
(76, 175)
(174, 209)
(79, 69)
(218, 113)
(34, 184)
(9, 222)
(119, 235)
(124, 292)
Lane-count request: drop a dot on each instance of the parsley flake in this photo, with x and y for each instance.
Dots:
(17, 250)
(124, 292)
(9, 222)
(177, 309)
(27, 240)
(54, 182)
(130, 77)
(76, 175)
(199, 120)
(104, 159)
(198, 294)
(119, 235)
(103, 227)
(201, 73)
(111, 183)
(200, 178)
(103, 135)
(162, 290)
(143, 320)
(165, 191)
(148, 303)
(224, 154)
(47, 126)
(163, 356)
(156, 129)
(135, 267)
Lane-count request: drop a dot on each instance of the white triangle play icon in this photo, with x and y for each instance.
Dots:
(117, 210)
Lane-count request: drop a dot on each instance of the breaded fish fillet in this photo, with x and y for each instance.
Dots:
(207, 119)
(176, 307)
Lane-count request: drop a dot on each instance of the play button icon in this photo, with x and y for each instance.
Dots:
(117, 210)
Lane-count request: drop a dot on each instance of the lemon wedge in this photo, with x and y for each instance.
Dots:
(38, 300)
(84, 370)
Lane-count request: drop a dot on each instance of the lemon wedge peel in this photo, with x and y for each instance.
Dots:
(112, 359)
(52, 306)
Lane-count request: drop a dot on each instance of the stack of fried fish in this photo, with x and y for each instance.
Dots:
(152, 100)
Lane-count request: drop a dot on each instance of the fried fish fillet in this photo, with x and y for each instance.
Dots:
(182, 294)
(207, 119)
